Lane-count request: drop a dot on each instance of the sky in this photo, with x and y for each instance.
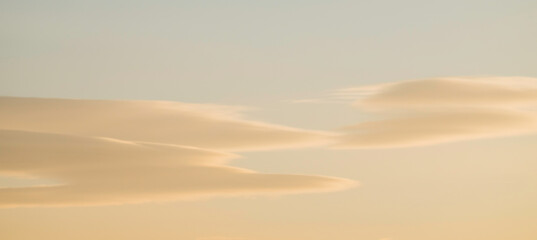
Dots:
(268, 120)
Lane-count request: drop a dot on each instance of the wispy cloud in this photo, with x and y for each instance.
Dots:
(430, 111)
(339, 96)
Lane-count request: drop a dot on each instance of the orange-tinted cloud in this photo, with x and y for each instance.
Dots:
(426, 128)
(430, 111)
(115, 152)
(200, 125)
(97, 171)
(450, 92)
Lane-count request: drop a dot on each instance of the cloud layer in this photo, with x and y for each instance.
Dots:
(200, 125)
(430, 111)
(116, 152)
(94, 171)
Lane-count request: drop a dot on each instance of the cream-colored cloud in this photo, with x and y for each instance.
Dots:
(97, 171)
(429, 127)
(430, 111)
(449, 92)
(200, 125)
(115, 152)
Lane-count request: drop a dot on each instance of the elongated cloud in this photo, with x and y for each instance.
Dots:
(115, 152)
(427, 128)
(95, 171)
(430, 111)
(451, 92)
(200, 125)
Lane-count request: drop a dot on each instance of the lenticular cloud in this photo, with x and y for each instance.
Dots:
(117, 152)
(431, 111)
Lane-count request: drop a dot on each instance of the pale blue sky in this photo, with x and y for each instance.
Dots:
(240, 52)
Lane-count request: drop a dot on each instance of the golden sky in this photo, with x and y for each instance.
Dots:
(268, 120)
